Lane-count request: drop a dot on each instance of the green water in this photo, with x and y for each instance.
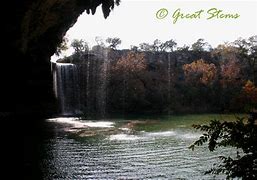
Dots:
(136, 147)
(161, 123)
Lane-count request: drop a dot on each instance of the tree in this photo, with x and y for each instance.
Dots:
(145, 47)
(159, 46)
(200, 72)
(156, 45)
(239, 135)
(80, 46)
(128, 81)
(98, 49)
(248, 52)
(113, 42)
(249, 95)
(184, 48)
(168, 46)
(63, 46)
(230, 73)
(133, 48)
(132, 63)
(200, 45)
(99, 41)
(225, 52)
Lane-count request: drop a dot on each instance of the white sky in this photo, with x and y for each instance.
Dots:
(135, 22)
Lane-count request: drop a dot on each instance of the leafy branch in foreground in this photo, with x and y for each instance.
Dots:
(239, 134)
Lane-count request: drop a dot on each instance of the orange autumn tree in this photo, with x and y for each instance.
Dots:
(250, 95)
(230, 73)
(132, 63)
(129, 75)
(200, 72)
(131, 68)
(230, 67)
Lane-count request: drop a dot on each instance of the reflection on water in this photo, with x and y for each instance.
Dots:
(122, 152)
(123, 137)
(77, 123)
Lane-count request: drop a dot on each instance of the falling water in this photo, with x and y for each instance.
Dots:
(80, 84)
(124, 93)
(103, 84)
(169, 82)
(66, 88)
(54, 73)
(87, 87)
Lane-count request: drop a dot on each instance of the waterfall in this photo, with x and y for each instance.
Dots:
(54, 73)
(103, 84)
(87, 88)
(67, 90)
(169, 84)
(80, 84)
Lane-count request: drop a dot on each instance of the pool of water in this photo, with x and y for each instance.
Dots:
(124, 149)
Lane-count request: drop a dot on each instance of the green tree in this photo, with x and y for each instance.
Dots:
(200, 45)
(63, 46)
(133, 48)
(113, 42)
(184, 48)
(80, 46)
(145, 47)
(168, 46)
(156, 45)
(240, 135)
(99, 41)
(248, 52)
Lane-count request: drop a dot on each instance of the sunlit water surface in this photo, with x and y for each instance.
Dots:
(83, 149)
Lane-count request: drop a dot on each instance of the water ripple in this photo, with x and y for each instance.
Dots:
(142, 155)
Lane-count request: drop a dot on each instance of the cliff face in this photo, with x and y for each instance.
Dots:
(32, 30)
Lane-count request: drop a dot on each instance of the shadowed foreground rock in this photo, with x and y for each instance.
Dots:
(32, 31)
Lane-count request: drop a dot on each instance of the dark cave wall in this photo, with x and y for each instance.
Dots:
(43, 23)
(33, 29)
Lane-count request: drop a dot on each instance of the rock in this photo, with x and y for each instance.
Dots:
(32, 31)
